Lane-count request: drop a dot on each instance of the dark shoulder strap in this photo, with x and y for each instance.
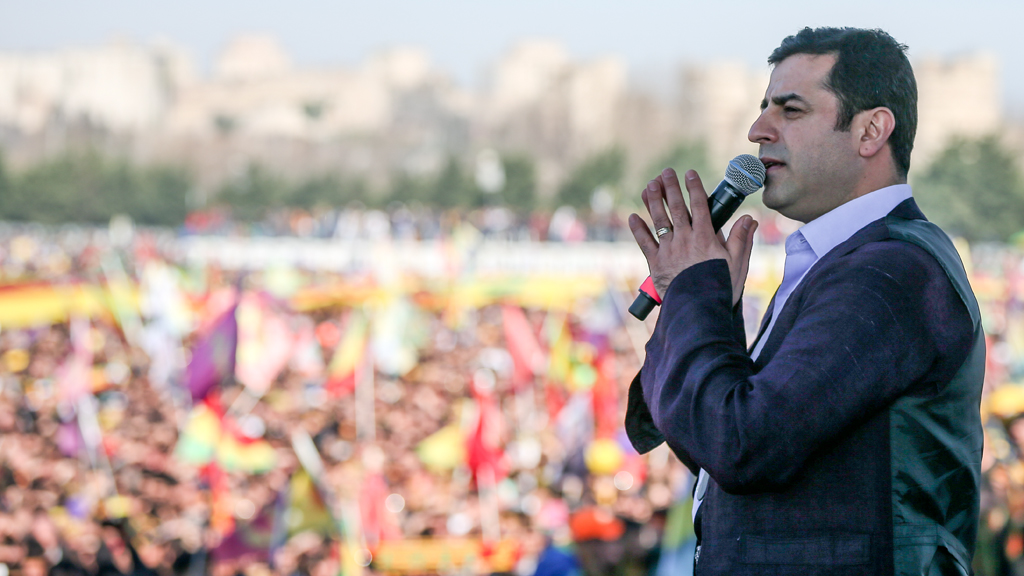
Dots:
(933, 240)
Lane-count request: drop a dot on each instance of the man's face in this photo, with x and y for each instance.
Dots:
(811, 167)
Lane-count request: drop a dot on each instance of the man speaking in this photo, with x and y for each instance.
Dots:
(848, 439)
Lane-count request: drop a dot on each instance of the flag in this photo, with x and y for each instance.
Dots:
(343, 370)
(606, 396)
(213, 356)
(559, 341)
(398, 330)
(208, 437)
(483, 444)
(307, 358)
(222, 514)
(265, 343)
(574, 426)
(559, 338)
(527, 356)
(250, 541)
(306, 508)
(74, 377)
(443, 450)
(377, 522)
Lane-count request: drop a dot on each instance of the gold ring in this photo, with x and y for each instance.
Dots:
(662, 231)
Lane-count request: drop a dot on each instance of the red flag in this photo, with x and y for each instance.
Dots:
(527, 355)
(222, 515)
(483, 444)
(378, 523)
(606, 397)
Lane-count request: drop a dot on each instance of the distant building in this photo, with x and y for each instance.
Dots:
(539, 100)
(717, 103)
(252, 57)
(120, 87)
(398, 112)
(956, 97)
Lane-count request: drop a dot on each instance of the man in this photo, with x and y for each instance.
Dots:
(848, 439)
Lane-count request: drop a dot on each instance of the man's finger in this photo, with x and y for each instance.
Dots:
(674, 196)
(745, 256)
(642, 234)
(739, 246)
(656, 205)
(700, 214)
(741, 239)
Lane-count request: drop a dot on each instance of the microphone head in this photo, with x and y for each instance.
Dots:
(746, 173)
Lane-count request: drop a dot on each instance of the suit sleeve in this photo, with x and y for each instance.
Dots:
(640, 427)
(859, 341)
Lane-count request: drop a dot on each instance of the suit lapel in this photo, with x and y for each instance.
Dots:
(765, 319)
(873, 232)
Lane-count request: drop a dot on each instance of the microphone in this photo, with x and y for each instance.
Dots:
(743, 176)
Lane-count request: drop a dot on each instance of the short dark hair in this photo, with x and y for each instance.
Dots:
(871, 70)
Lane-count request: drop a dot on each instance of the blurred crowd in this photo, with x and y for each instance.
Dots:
(416, 222)
(161, 419)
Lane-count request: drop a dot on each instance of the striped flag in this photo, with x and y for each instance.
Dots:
(343, 371)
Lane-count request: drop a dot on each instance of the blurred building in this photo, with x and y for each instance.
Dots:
(118, 87)
(539, 100)
(717, 104)
(397, 112)
(956, 97)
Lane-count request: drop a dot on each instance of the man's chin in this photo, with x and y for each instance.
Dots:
(771, 197)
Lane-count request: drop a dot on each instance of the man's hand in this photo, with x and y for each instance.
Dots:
(689, 241)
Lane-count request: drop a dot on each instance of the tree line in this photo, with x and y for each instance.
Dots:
(974, 188)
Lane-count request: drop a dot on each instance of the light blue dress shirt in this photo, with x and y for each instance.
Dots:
(819, 236)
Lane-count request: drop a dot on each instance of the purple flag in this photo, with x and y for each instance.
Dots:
(213, 356)
(251, 541)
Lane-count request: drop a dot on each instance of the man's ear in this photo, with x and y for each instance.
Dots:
(873, 128)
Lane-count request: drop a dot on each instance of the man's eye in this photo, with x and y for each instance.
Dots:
(791, 110)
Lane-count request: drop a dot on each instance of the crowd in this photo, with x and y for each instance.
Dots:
(156, 418)
(415, 222)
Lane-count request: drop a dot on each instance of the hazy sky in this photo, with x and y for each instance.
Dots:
(464, 35)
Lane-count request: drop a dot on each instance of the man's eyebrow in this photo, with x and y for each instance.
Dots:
(782, 99)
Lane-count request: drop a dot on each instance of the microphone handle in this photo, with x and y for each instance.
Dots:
(723, 203)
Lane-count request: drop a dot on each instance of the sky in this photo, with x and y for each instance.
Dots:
(463, 36)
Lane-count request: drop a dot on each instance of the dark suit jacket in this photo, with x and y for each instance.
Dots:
(806, 455)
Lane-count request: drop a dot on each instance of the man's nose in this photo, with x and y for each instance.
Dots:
(761, 131)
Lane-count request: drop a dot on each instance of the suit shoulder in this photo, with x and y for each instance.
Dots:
(891, 257)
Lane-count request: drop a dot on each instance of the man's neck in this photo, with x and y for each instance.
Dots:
(876, 177)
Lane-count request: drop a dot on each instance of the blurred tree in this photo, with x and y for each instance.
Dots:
(973, 188)
(5, 182)
(326, 191)
(682, 157)
(67, 188)
(85, 187)
(453, 187)
(225, 124)
(314, 109)
(157, 195)
(520, 190)
(254, 193)
(604, 169)
(406, 188)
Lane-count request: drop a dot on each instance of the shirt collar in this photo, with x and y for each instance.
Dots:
(837, 226)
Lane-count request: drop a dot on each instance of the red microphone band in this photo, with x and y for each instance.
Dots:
(648, 288)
